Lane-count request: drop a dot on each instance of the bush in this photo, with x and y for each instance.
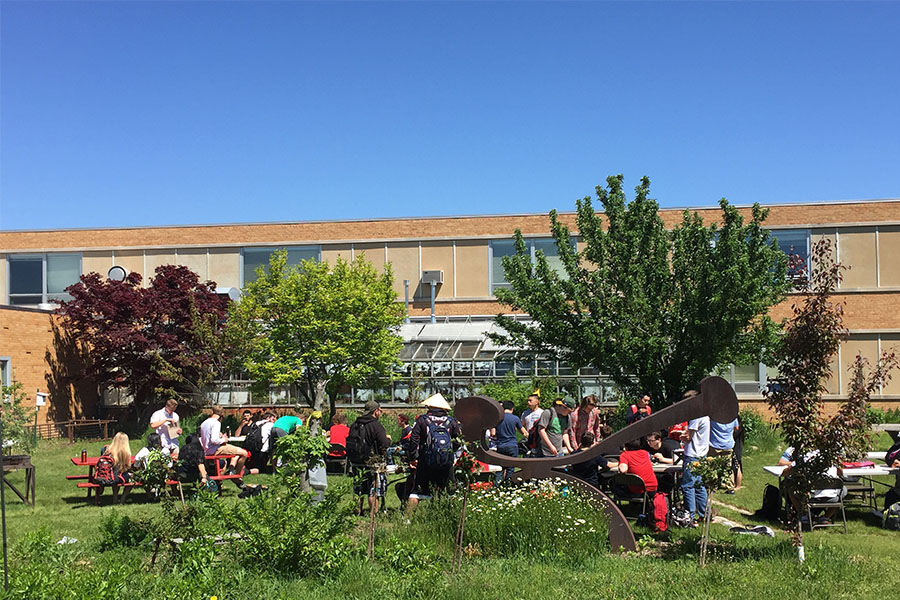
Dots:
(284, 533)
(757, 431)
(122, 531)
(543, 518)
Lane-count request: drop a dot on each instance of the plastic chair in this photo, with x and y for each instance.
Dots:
(827, 483)
(336, 461)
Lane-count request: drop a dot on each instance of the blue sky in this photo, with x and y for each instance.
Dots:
(115, 114)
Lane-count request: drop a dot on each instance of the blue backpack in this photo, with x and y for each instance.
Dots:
(439, 444)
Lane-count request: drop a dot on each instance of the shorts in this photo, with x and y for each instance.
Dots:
(229, 449)
(370, 482)
(430, 482)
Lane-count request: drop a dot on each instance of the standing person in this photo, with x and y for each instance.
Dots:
(639, 410)
(367, 438)
(260, 443)
(696, 440)
(166, 423)
(505, 433)
(737, 462)
(553, 427)
(586, 420)
(531, 414)
(721, 443)
(215, 442)
(431, 446)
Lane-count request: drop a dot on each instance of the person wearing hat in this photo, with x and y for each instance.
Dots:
(553, 427)
(432, 450)
(367, 435)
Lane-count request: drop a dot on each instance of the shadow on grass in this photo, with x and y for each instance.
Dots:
(743, 548)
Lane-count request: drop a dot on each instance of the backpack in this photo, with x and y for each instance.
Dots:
(438, 444)
(659, 517)
(253, 443)
(358, 448)
(534, 435)
(891, 518)
(771, 505)
(104, 472)
(681, 517)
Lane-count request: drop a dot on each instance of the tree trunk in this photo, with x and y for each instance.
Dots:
(704, 538)
(315, 420)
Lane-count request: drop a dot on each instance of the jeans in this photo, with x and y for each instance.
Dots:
(694, 498)
(507, 472)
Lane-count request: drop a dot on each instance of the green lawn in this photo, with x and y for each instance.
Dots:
(412, 563)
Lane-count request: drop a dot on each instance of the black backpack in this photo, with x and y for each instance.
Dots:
(358, 448)
(439, 443)
(105, 471)
(892, 454)
(771, 506)
(253, 443)
(891, 518)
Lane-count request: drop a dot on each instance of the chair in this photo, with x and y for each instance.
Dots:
(336, 461)
(827, 483)
(862, 490)
(621, 493)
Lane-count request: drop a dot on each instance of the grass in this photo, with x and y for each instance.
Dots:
(413, 561)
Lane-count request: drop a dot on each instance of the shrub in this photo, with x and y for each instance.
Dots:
(757, 431)
(122, 531)
(286, 533)
(542, 518)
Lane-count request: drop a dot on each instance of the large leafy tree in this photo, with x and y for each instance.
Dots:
(167, 337)
(654, 310)
(322, 325)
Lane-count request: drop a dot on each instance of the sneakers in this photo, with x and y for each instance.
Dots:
(823, 521)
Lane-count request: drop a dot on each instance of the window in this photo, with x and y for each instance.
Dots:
(501, 248)
(4, 370)
(253, 258)
(794, 242)
(40, 278)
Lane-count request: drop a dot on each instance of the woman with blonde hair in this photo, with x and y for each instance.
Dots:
(119, 450)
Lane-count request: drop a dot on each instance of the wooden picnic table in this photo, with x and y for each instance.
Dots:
(19, 462)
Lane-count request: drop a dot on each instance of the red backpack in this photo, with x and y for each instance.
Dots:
(660, 513)
(105, 471)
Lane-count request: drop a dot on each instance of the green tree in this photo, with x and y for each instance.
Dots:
(811, 341)
(654, 310)
(322, 325)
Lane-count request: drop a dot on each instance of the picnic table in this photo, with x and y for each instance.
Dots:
(20, 462)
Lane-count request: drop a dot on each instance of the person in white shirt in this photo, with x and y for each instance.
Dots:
(153, 443)
(165, 421)
(696, 447)
(215, 442)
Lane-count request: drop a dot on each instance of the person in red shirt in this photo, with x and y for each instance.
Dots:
(338, 433)
(637, 461)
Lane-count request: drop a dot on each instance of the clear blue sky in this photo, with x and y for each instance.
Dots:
(137, 113)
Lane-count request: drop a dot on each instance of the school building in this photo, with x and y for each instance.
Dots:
(458, 259)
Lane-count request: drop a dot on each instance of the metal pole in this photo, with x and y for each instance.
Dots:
(3, 511)
(406, 292)
(433, 286)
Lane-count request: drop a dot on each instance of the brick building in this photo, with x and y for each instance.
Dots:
(462, 252)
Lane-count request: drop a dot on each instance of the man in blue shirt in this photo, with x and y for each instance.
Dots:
(505, 434)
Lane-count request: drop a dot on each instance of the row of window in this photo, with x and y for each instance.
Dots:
(40, 278)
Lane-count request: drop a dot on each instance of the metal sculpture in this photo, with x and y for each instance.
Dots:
(477, 414)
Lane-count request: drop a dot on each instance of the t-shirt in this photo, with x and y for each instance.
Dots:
(140, 459)
(530, 417)
(698, 447)
(721, 435)
(588, 470)
(338, 434)
(638, 462)
(551, 422)
(288, 423)
(211, 435)
(506, 430)
(265, 430)
(163, 430)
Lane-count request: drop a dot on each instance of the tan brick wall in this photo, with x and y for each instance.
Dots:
(27, 337)
(404, 229)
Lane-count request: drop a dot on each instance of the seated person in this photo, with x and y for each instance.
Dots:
(637, 461)
(190, 466)
(215, 442)
(259, 460)
(154, 442)
(119, 450)
(337, 434)
(588, 471)
(662, 451)
(828, 495)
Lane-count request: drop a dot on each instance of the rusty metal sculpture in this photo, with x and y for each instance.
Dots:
(480, 413)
